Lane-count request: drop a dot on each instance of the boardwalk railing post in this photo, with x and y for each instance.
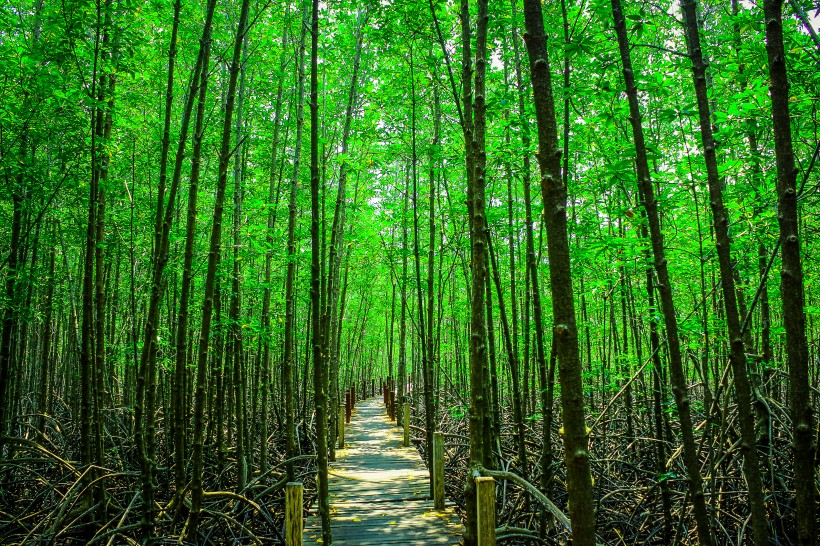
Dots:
(341, 422)
(438, 471)
(406, 415)
(485, 495)
(293, 514)
(392, 410)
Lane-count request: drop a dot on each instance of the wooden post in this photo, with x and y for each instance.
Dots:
(438, 471)
(406, 416)
(485, 494)
(347, 407)
(341, 426)
(293, 514)
(384, 393)
(392, 405)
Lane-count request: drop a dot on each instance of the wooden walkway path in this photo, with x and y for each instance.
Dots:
(379, 490)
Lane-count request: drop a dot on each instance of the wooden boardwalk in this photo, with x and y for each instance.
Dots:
(379, 490)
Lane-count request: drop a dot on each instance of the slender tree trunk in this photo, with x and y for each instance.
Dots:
(105, 122)
(235, 329)
(512, 351)
(289, 358)
(427, 376)
(192, 525)
(330, 322)
(737, 356)
(320, 381)
(491, 386)
(9, 314)
(791, 284)
(45, 354)
(144, 405)
(554, 195)
(429, 384)
(180, 412)
(474, 125)
(402, 367)
(657, 405)
(679, 382)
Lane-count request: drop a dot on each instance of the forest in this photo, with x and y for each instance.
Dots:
(577, 237)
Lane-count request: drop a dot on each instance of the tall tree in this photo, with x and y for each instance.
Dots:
(290, 303)
(197, 492)
(792, 290)
(565, 331)
(650, 205)
(320, 375)
(737, 350)
(474, 129)
(144, 405)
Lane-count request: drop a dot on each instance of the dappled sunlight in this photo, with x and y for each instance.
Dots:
(379, 490)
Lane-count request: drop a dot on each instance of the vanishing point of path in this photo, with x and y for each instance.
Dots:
(379, 490)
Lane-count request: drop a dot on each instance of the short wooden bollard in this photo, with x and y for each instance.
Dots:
(485, 495)
(392, 410)
(385, 393)
(406, 415)
(348, 410)
(438, 471)
(341, 427)
(293, 514)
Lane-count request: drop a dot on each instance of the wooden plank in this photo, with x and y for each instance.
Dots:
(380, 490)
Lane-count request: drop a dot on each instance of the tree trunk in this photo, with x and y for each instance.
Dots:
(178, 389)
(320, 381)
(554, 195)
(737, 356)
(144, 405)
(192, 525)
(474, 126)
(791, 284)
(289, 358)
(679, 382)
